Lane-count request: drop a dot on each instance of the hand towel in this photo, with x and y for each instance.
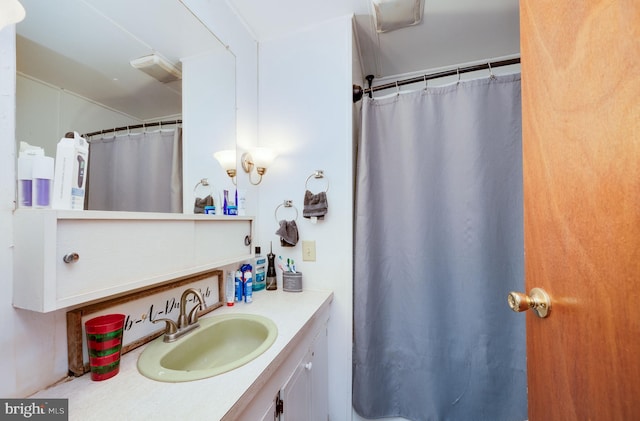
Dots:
(288, 233)
(200, 203)
(315, 205)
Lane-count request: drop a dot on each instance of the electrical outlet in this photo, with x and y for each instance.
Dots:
(309, 251)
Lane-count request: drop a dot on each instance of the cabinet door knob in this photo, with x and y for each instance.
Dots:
(308, 366)
(71, 257)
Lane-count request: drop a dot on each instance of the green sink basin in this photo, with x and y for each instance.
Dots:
(221, 343)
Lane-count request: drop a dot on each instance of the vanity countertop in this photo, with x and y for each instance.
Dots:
(131, 396)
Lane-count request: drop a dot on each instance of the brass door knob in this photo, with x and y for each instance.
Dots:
(537, 299)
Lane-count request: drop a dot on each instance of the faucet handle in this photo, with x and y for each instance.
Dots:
(170, 328)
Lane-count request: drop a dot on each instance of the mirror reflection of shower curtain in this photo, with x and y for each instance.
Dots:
(136, 172)
(438, 245)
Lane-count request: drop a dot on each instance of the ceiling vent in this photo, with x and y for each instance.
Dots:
(390, 15)
(158, 68)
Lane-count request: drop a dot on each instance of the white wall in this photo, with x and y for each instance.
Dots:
(232, 33)
(31, 356)
(7, 195)
(209, 122)
(47, 112)
(306, 115)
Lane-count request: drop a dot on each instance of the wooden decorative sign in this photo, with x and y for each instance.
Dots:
(140, 309)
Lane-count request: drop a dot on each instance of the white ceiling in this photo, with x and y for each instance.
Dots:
(85, 46)
(452, 32)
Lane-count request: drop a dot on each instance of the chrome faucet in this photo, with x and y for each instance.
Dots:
(186, 323)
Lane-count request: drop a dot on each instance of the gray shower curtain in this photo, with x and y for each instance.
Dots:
(439, 244)
(139, 172)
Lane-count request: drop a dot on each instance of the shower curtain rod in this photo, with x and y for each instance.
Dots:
(135, 126)
(358, 91)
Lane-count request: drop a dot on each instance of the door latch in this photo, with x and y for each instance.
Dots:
(279, 406)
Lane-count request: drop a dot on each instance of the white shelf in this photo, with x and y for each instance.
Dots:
(119, 252)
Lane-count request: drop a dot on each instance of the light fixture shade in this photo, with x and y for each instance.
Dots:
(11, 11)
(263, 157)
(226, 158)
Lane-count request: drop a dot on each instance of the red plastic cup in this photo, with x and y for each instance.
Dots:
(104, 343)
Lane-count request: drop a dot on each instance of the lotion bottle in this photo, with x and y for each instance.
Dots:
(230, 287)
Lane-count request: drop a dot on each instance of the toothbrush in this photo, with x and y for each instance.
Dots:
(281, 264)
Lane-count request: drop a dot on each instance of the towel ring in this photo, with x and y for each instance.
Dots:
(286, 204)
(316, 174)
(203, 189)
(204, 182)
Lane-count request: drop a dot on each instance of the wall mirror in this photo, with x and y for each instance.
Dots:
(74, 73)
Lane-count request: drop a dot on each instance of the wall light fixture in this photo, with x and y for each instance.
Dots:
(11, 11)
(227, 160)
(258, 158)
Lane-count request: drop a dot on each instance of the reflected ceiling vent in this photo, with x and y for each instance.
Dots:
(390, 15)
(157, 67)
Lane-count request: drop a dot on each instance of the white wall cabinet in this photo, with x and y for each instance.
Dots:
(65, 258)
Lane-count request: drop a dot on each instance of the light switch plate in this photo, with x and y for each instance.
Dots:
(309, 251)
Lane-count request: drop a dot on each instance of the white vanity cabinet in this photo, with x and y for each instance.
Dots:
(299, 388)
(64, 258)
(305, 395)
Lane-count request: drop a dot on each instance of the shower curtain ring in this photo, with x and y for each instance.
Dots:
(397, 88)
(426, 82)
(458, 72)
(491, 75)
